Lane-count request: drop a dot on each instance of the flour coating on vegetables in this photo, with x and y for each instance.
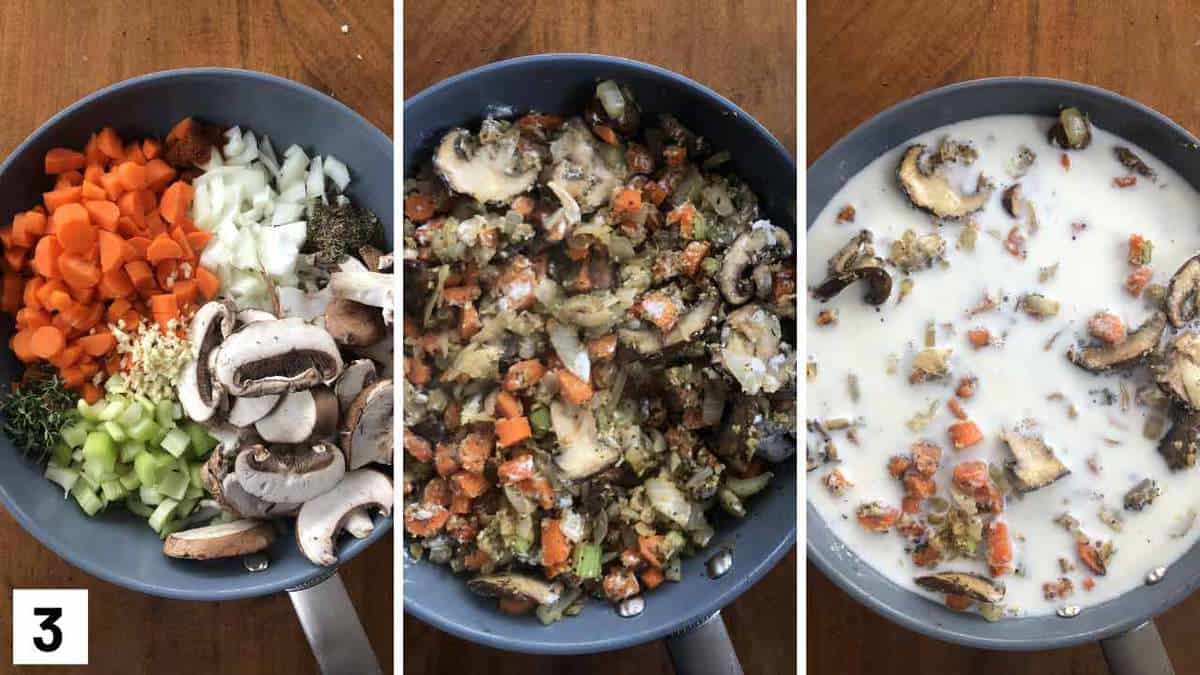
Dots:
(1001, 367)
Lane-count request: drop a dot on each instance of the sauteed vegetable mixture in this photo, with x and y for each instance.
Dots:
(595, 353)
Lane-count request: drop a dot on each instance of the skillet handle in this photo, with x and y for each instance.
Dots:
(331, 625)
(1138, 652)
(704, 649)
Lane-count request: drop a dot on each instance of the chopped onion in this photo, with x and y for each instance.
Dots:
(669, 501)
(572, 352)
(315, 182)
(611, 98)
(337, 172)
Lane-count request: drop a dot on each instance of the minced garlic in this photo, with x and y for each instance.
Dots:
(155, 358)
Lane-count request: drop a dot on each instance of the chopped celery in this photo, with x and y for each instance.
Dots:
(144, 430)
(115, 431)
(173, 484)
(75, 434)
(93, 483)
(587, 561)
(176, 410)
(113, 409)
(162, 514)
(164, 414)
(149, 495)
(133, 412)
(540, 419)
(193, 492)
(61, 454)
(89, 412)
(146, 468)
(98, 449)
(131, 449)
(64, 477)
(202, 443)
(88, 501)
(115, 384)
(113, 490)
(176, 442)
(130, 481)
(147, 404)
(136, 507)
(185, 507)
(196, 473)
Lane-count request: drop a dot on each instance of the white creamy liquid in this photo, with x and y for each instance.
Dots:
(1015, 377)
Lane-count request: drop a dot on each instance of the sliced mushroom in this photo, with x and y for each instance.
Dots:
(1142, 495)
(581, 451)
(853, 261)
(693, 322)
(368, 434)
(368, 288)
(276, 357)
(516, 587)
(1130, 160)
(300, 417)
(359, 523)
(199, 394)
(1072, 131)
(586, 169)
(1179, 375)
(354, 324)
(966, 584)
(289, 475)
(358, 375)
(1179, 446)
(762, 243)
(296, 302)
(1034, 465)
(933, 193)
(644, 341)
(1182, 303)
(1013, 201)
(192, 394)
(321, 518)
(234, 498)
(1140, 343)
(491, 171)
(246, 410)
(251, 315)
(223, 540)
(753, 351)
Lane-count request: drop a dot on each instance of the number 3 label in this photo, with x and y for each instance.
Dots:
(50, 626)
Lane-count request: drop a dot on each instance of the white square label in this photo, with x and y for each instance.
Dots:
(50, 626)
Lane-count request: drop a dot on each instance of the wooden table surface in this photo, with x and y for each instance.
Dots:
(52, 53)
(865, 55)
(742, 49)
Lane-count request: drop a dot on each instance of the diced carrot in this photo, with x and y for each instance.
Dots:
(103, 213)
(133, 153)
(652, 577)
(516, 606)
(469, 484)
(516, 470)
(1089, 554)
(959, 603)
(182, 129)
(60, 301)
(512, 431)
(131, 175)
(29, 296)
(115, 284)
(111, 251)
(61, 160)
(1108, 327)
(112, 186)
(999, 548)
(47, 289)
(97, 344)
(627, 201)
(417, 447)
(964, 434)
(74, 229)
(78, 271)
(474, 451)
(165, 303)
(556, 549)
(444, 460)
(175, 201)
(159, 174)
(72, 377)
(140, 274)
(151, 148)
(119, 306)
(68, 179)
(28, 317)
(66, 357)
(979, 337)
(92, 154)
(166, 272)
(15, 257)
(956, 409)
(419, 207)
(56, 198)
(91, 393)
(207, 283)
(185, 292)
(198, 240)
(46, 255)
(93, 192)
(27, 227)
(523, 374)
(508, 405)
(47, 341)
(6, 235)
(163, 248)
(83, 294)
(180, 237)
(460, 503)
(20, 344)
(573, 389)
(110, 143)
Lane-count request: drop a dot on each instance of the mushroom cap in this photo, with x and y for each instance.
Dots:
(1180, 374)
(300, 417)
(354, 324)
(1179, 446)
(246, 410)
(192, 396)
(358, 523)
(967, 584)
(368, 430)
(933, 193)
(199, 392)
(1034, 465)
(289, 474)
(223, 540)
(321, 518)
(763, 242)
(1139, 345)
(516, 586)
(489, 172)
(358, 375)
(276, 357)
(1182, 300)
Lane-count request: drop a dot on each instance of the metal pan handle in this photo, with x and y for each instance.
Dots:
(1138, 652)
(704, 649)
(331, 625)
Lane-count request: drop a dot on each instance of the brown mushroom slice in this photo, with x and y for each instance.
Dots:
(966, 584)
(276, 357)
(1178, 447)
(1142, 495)
(354, 324)
(292, 475)
(1140, 343)
(1034, 465)
(368, 433)
(1182, 302)
(763, 242)
(933, 193)
(491, 171)
(223, 540)
(879, 284)
(1179, 375)
(300, 417)
(517, 587)
(358, 375)
(358, 523)
(691, 323)
(246, 410)
(199, 394)
(321, 518)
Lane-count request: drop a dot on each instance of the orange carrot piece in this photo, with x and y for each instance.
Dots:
(151, 148)
(556, 549)
(20, 344)
(508, 405)
(93, 192)
(964, 434)
(166, 273)
(185, 292)
(73, 227)
(652, 577)
(164, 303)
(573, 389)
(112, 186)
(131, 175)
(61, 160)
(46, 255)
(90, 393)
(60, 301)
(140, 246)
(30, 294)
(512, 431)
(110, 143)
(159, 174)
(47, 341)
(66, 357)
(175, 201)
(28, 317)
(180, 237)
(77, 271)
(15, 257)
(133, 153)
(84, 294)
(103, 213)
(97, 344)
(68, 179)
(111, 251)
(140, 274)
(92, 154)
(469, 484)
(207, 283)
(56, 198)
(198, 240)
(92, 173)
(163, 248)
(115, 284)
(182, 129)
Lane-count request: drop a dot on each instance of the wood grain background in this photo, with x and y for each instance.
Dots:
(865, 55)
(52, 53)
(743, 49)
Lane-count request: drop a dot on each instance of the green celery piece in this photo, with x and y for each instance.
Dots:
(194, 492)
(195, 472)
(202, 443)
(135, 506)
(173, 484)
(63, 477)
(131, 449)
(115, 431)
(89, 412)
(61, 454)
(131, 481)
(162, 514)
(87, 499)
(176, 442)
(133, 412)
(185, 507)
(146, 468)
(145, 430)
(75, 434)
(149, 495)
(164, 414)
(113, 409)
(115, 384)
(587, 561)
(99, 449)
(113, 490)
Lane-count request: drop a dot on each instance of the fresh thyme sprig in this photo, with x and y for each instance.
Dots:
(36, 412)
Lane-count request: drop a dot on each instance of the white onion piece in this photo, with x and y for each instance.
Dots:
(669, 501)
(611, 98)
(337, 172)
(572, 352)
(315, 182)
